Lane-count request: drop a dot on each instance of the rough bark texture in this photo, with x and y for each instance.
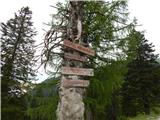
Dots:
(71, 106)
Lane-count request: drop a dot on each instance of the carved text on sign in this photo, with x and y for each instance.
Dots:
(75, 57)
(75, 83)
(78, 47)
(77, 71)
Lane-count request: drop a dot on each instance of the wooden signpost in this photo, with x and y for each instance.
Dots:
(75, 57)
(79, 47)
(75, 83)
(77, 71)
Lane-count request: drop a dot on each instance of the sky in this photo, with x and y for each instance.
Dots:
(146, 11)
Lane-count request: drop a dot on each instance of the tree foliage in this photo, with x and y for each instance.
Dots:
(140, 90)
(17, 52)
(105, 29)
(103, 98)
(42, 101)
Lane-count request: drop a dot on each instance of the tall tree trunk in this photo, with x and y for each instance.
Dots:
(71, 106)
(146, 105)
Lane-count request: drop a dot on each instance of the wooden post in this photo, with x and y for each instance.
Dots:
(72, 87)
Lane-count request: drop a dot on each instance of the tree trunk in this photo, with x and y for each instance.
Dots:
(71, 106)
(146, 105)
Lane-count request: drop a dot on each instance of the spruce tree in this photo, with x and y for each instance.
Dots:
(141, 79)
(17, 52)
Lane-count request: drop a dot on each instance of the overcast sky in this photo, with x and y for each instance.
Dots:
(146, 11)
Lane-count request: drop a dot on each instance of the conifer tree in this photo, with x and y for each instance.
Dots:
(141, 79)
(17, 52)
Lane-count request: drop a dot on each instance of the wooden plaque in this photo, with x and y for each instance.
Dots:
(75, 83)
(79, 48)
(75, 57)
(77, 71)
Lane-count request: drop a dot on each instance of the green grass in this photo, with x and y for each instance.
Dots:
(152, 116)
(145, 117)
(155, 114)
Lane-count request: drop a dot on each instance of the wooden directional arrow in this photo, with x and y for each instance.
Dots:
(75, 83)
(75, 57)
(79, 47)
(77, 71)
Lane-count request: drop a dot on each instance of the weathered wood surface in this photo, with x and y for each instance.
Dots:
(75, 83)
(75, 57)
(77, 71)
(79, 47)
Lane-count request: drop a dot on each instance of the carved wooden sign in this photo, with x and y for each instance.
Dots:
(77, 71)
(75, 83)
(75, 57)
(79, 47)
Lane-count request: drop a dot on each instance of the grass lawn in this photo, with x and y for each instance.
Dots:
(146, 117)
(155, 115)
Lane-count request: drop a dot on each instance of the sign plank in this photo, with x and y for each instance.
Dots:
(75, 57)
(75, 83)
(79, 47)
(77, 71)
